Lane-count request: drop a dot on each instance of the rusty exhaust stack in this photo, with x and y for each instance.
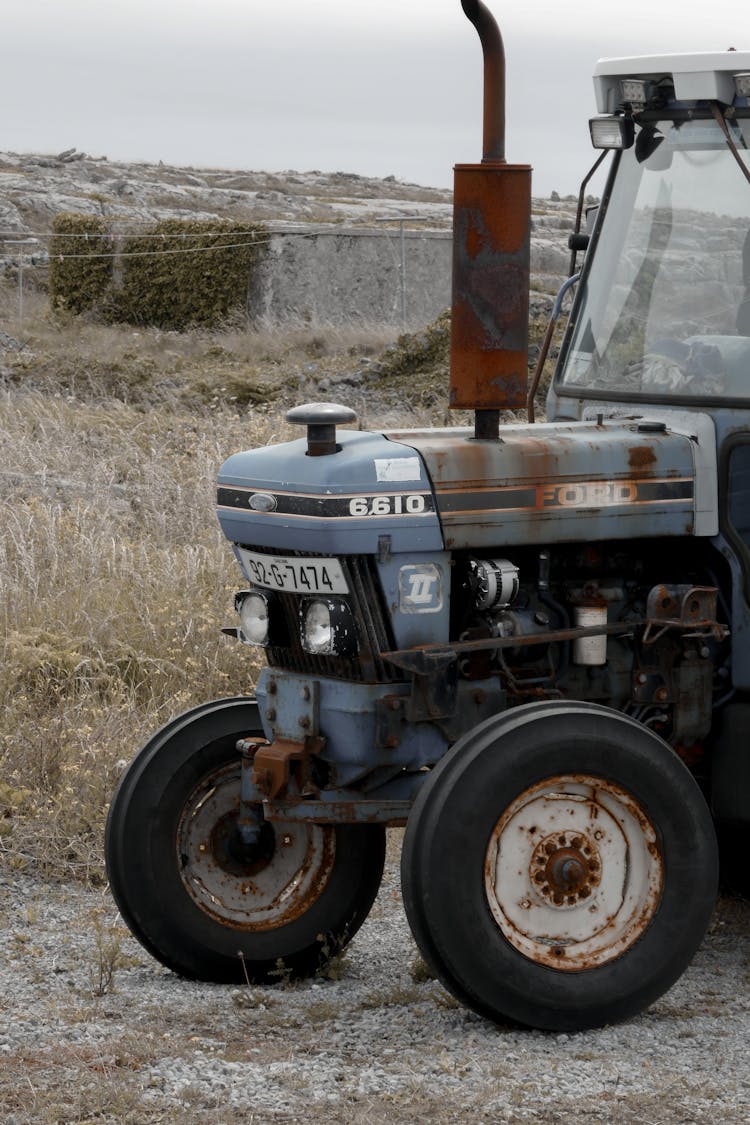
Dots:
(491, 232)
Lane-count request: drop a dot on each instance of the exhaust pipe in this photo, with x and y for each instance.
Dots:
(493, 52)
(491, 235)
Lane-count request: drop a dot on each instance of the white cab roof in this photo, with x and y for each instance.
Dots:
(697, 77)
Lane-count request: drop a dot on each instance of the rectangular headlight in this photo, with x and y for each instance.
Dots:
(612, 132)
(327, 627)
(254, 612)
(261, 618)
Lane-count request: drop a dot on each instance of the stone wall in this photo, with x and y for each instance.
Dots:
(324, 274)
(340, 275)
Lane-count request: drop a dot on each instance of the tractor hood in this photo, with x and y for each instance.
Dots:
(612, 478)
(369, 488)
(426, 490)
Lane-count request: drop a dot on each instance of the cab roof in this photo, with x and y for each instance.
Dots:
(705, 76)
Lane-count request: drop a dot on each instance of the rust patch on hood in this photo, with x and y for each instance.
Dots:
(641, 456)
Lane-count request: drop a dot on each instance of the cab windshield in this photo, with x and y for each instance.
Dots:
(664, 309)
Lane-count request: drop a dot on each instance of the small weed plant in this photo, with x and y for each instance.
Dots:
(108, 955)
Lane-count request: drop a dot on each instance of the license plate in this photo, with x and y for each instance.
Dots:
(293, 575)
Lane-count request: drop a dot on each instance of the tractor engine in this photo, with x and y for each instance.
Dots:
(416, 627)
(661, 661)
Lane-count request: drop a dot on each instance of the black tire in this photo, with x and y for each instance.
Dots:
(199, 903)
(425, 809)
(112, 839)
(559, 867)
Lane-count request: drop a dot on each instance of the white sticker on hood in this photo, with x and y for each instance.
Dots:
(398, 468)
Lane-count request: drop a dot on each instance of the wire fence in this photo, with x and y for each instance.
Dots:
(33, 255)
(138, 253)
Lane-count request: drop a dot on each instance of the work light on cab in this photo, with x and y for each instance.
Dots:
(742, 85)
(612, 132)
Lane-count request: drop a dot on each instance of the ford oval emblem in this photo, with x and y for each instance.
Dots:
(262, 502)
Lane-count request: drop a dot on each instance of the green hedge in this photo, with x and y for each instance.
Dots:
(80, 263)
(191, 281)
(177, 273)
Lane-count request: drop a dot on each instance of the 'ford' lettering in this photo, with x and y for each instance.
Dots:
(589, 494)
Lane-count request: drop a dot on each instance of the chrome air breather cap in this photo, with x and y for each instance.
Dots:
(321, 419)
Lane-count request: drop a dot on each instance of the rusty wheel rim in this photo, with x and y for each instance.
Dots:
(261, 889)
(573, 874)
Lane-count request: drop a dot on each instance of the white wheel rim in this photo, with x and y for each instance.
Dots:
(265, 895)
(573, 874)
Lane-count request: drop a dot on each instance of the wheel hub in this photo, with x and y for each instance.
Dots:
(249, 885)
(573, 874)
(235, 855)
(565, 867)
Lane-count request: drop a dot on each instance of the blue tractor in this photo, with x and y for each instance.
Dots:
(528, 643)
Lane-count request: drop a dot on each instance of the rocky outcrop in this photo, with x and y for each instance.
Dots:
(38, 187)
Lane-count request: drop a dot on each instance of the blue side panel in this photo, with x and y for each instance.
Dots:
(417, 594)
(279, 497)
(345, 715)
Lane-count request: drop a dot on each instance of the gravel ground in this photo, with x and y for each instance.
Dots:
(374, 1045)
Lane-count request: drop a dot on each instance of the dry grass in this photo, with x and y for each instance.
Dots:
(235, 366)
(116, 583)
(116, 579)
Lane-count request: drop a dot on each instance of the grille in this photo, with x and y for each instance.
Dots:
(374, 634)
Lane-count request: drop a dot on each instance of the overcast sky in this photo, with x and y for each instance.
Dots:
(379, 87)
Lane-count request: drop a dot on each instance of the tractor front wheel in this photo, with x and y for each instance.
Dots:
(197, 895)
(559, 867)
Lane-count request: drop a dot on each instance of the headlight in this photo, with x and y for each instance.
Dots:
(327, 627)
(254, 617)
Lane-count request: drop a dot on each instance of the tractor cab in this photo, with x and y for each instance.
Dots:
(662, 311)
